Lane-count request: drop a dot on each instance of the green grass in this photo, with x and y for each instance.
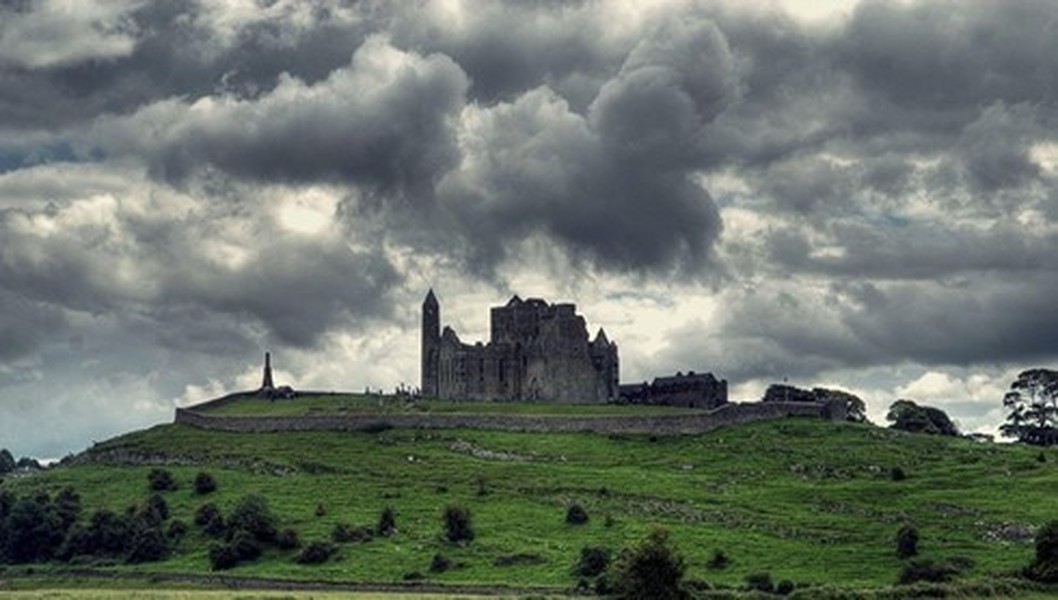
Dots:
(809, 501)
(331, 404)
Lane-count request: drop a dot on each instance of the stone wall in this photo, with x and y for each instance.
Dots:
(675, 424)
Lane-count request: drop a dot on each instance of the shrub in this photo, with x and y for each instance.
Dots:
(440, 563)
(246, 546)
(760, 582)
(593, 561)
(387, 522)
(1045, 567)
(204, 484)
(148, 545)
(652, 569)
(252, 516)
(927, 570)
(897, 474)
(315, 553)
(344, 532)
(576, 515)
(287, 539)
(222, 557)
(68, 506)
(785, 587)
(457, 525)
(718, 561)
(160, 480)
(210, 519)
(155, 511)
(907, 541)
(321, 510)
(177, 530)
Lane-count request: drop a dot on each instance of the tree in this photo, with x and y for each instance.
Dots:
(251, 515)
(204, 483)
(652, 569)
(33, 530)
(1032, 405)
(1045, 567)
(906, 415)
(160, 480)
(907, 541)
(387, 522)
(7, 462)
(458, 527)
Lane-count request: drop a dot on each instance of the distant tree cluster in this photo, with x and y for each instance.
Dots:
(906, 415)
(41, 528)
(1032, 408)
(8, 464)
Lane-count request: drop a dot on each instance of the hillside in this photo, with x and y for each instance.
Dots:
(807, 500)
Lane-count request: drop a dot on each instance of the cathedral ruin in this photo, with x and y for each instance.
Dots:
(536, 351)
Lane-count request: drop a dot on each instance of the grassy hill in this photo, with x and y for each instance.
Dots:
(805, 500)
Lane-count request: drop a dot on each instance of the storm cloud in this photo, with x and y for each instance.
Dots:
(864, 199)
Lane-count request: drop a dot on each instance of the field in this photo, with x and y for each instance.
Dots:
(810, 501)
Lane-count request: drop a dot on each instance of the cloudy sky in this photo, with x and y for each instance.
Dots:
(862, 196)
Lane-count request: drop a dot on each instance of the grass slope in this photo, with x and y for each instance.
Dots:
(806, 500)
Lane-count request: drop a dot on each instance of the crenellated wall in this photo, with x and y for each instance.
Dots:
(675, 424)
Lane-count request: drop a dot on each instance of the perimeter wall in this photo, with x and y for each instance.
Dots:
(675, 424)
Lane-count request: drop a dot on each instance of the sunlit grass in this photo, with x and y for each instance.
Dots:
(809, 501)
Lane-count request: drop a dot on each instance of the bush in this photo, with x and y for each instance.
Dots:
(1045, 567)
(204, 484)
(457, 524)
(907, 541)
(148, 545)
(593, 562)
(177, 530)
(156, 511)
(652, 569)
(760, 582)
(222, 557)
(344, 532)
(440, 563)
(287, 539)
(315, 553)
(576, 515)
(387, 522)
(718, 561)
(160, 480)
(320, 509)
(252, 516)
(210, 519)
(785, 587)
(927, 570)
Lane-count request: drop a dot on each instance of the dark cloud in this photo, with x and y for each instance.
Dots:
(25, 324)
(190, 181)
(381, 122)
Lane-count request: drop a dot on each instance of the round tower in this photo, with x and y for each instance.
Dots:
(431, 344)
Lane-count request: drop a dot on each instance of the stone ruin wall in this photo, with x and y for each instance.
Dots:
(677, 424)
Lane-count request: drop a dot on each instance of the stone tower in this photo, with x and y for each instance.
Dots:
(266, 380)
(431, 344)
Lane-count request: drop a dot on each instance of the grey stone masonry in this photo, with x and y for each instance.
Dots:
(536, 351)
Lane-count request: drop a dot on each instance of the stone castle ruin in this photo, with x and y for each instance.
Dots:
(536, 351)
(693, 390)
(541, 351)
